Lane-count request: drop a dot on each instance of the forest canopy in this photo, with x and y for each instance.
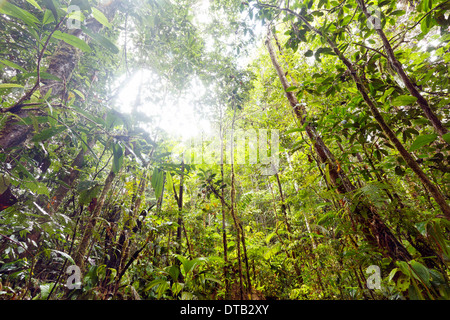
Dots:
(224, 150)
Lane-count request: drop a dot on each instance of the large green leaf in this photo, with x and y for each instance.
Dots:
(446, 137)
(103, 41)
(43, 76)
(47, 133)
(12, 65)
(5, 181)
(72, 40)
(420, 272)
(65, 255)
(290, 89)
(45, 290)
(169, 181)
(100, 17)
(404, 267)
(54, 7)
(16, 12)
(118, 158)
(157, 182)
(309, 53)
(174, 272)
(35, 4)
(422, 141)
(404, 100)
(10, 85)
(162, 284)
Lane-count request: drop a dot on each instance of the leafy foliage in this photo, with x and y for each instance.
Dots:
(91, 179)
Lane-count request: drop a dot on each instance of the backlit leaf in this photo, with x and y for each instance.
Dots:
(100, 17)
(72, 40)
(422, 141)
(404, 100)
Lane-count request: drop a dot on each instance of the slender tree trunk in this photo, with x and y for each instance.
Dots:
(283, 204)
(233, 212)
(224, 230)
(180, 209)
(247, 269)
(238, 232)
(284, 207)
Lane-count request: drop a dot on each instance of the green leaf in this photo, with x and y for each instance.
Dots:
(35, 4)
(39, 188)
(79, 93)
(421, 271)
(103, 41)
(48, 17)
(294, 130)
(425, 24)
(45, 290)
(65, 255)
(72, 40)
(446, 137)
(422, 141)
(290, 89)
(47, 133)
(43, 75)
(214, 280)
(309, 53)
(404, 100)
(157, 182)
(51, 5)
(187, 295)
(162, 286)
(100, 17)
(397, 13)
(10, 85)
(174, 272)
(16, 12)
(169, 181)
(392, 274)
(118, 158)
(327, 174)
(414, 292)
(403, 267)
(177, 287)
(5, 182)
(84, 5)
(12, 65)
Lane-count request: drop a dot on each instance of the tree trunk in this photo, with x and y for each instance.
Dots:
(233, 212)
(247, 269)
(224, 230)
(284, 207)
(180, 209)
